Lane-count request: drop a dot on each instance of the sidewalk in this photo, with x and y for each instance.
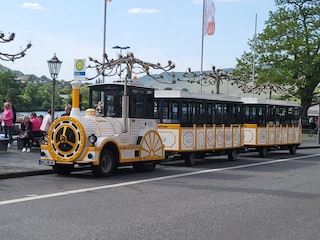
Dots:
(14, 163)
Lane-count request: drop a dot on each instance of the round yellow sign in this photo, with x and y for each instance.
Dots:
(79, 65)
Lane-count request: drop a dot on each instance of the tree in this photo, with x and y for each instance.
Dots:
(9, 88)
(214, 77)
(12, 56)
(287, 53)
(130, 64)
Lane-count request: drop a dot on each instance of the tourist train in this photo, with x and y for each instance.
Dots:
(127, 123)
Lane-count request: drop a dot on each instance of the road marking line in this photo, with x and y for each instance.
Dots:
(76, 191)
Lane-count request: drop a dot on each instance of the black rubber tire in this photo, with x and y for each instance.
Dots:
(190, 159)
(293, 149)
(233, 155)
(106, 166)
(263, 152)
(144, 166)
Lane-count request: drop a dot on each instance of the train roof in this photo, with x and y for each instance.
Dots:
(260, 101)
(130, 83)
(192, 95)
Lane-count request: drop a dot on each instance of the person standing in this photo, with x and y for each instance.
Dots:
(7, 118)
(46, 122)
(13, 110)
(67, 110)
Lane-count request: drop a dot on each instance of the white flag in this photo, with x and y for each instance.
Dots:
(209, 24)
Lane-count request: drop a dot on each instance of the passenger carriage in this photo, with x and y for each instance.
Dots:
(271, 124)
(194, 124)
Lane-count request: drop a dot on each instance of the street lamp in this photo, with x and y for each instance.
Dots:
(121, 48)
(54, 65)
(318, 98)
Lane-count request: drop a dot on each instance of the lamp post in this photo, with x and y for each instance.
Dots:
(121, 48)
(318, 98)
(54, 65)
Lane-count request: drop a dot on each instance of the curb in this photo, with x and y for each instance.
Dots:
(25, 174)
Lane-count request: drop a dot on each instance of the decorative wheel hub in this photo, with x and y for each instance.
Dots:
(67, 139)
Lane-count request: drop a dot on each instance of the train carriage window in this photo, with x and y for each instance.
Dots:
(261, 115)
(239, 118)
(210, 114)
(219, 113)
(250, 114)
(200, 113)
(174, 112)
(156, 111)
(141, 103)
(296, 116)
(186, 113)
(289, 116)
(270, 112)
(110, 105)
(149, 99)
(165, 111)
(227, 114)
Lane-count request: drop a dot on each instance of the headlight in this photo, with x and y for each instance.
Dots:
(45, 138)
(92, 139)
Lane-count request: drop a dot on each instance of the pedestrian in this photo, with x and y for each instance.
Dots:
(312, 123)
(36, 124)
(40, 117)
(26, 133)
(67, 110)
(47, 120)
(13, 110)
(7, 119)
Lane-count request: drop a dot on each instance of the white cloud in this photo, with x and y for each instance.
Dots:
(33, 6)
(142, 11)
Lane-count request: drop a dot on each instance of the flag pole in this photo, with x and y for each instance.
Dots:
(202, 37)
(254, 54)
(104, 44)
(104, 34)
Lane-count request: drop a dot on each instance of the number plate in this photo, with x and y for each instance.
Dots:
(46, 162)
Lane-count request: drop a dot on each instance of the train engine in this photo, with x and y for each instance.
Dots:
(105, 140)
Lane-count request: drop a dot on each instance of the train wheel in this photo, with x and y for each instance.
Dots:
(190, 159)
(232, 155)
(263, 152)
(144, 166)
(293, 149)
(106, 166)
(63, 169)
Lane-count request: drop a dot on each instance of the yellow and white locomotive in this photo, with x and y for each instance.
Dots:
(122, 130)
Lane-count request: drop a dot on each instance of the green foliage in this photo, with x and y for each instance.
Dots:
(9, 88)
(287, 51)
(84, 90)
(30, 94)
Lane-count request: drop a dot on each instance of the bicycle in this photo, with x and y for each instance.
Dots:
(313, 131)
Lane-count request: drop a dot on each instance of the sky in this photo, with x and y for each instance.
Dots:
(155, 31)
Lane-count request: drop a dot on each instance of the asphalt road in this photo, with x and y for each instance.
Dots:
(273, 198)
